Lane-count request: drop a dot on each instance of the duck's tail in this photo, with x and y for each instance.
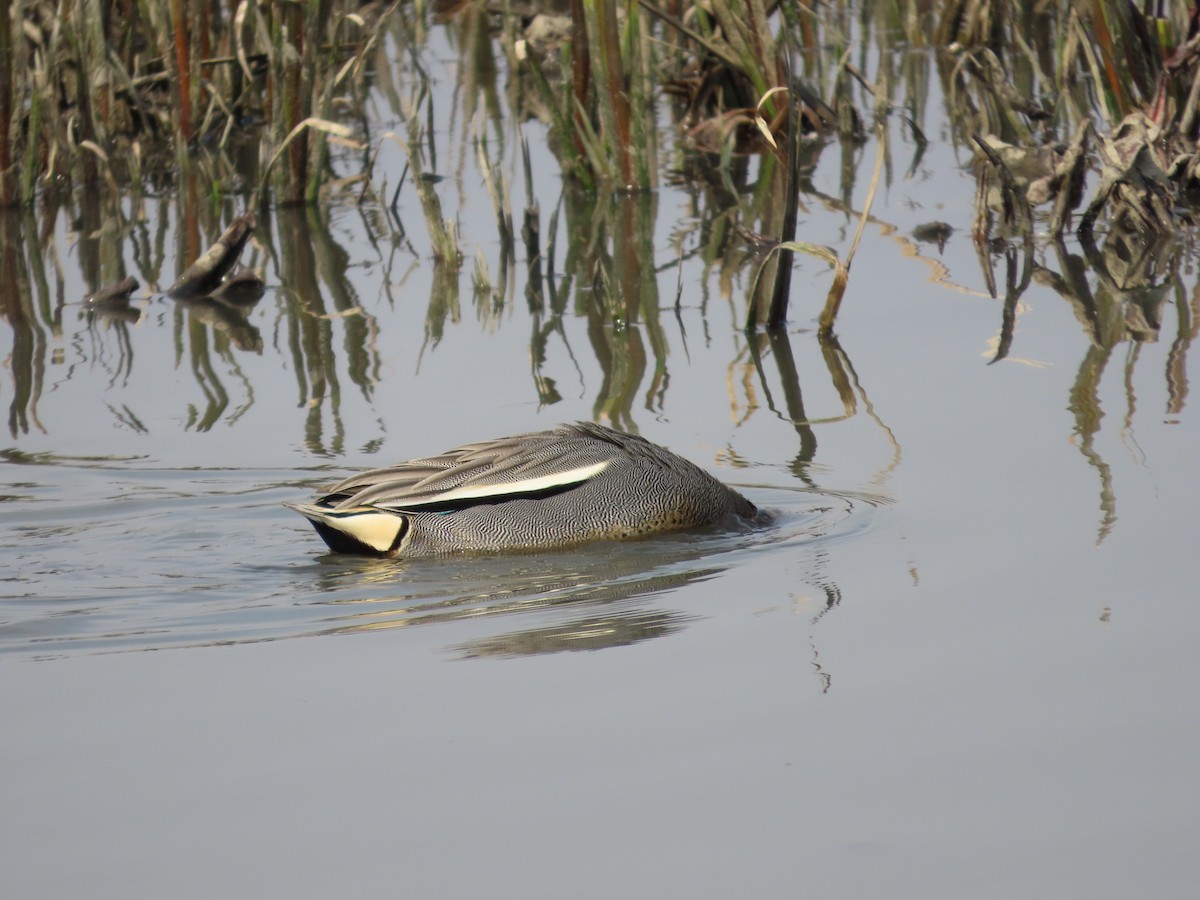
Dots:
(365, 530)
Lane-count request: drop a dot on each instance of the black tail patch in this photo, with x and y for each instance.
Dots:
(340, 542)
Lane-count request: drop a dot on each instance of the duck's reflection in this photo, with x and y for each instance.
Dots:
(601, 587)
(618, 629)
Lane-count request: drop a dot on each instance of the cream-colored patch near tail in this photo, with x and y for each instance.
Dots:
(377, 530)
(524, 486)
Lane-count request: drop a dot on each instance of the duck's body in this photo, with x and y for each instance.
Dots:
(558, 488)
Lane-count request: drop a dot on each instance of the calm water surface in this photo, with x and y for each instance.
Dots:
(958, 663)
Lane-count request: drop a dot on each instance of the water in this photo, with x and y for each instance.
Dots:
(959, 661)
(204, 558)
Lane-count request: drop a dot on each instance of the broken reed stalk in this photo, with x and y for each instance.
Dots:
(834, 301)
(203, 276)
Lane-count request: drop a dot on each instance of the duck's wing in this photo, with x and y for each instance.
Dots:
(505, 468)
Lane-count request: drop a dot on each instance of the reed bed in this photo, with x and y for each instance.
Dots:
(256, 100)
(129, 95)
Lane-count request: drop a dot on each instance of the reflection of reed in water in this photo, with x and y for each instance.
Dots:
(225, 320)
(777, 346)
(1132, 279)
(1117, 291)
(312, 266)
(27, 359)
(32, 286)
(1187, 311)
(200, 282)
(610, 265)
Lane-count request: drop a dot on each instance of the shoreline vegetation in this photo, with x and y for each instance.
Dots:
(1079, 117)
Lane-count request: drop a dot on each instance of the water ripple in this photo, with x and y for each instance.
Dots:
(150, 558)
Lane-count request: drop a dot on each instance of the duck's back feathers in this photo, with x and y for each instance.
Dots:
(572, 484)
(522, 465)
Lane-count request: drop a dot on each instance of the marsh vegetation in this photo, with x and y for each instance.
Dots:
(1075, 117)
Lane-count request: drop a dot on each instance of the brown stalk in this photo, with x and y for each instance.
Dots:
(183, 67)
(581, 67)
(610, 40)
(294, 172)
(1104, 39)
(8, 173)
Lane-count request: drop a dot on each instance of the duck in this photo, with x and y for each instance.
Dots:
(569, 485)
